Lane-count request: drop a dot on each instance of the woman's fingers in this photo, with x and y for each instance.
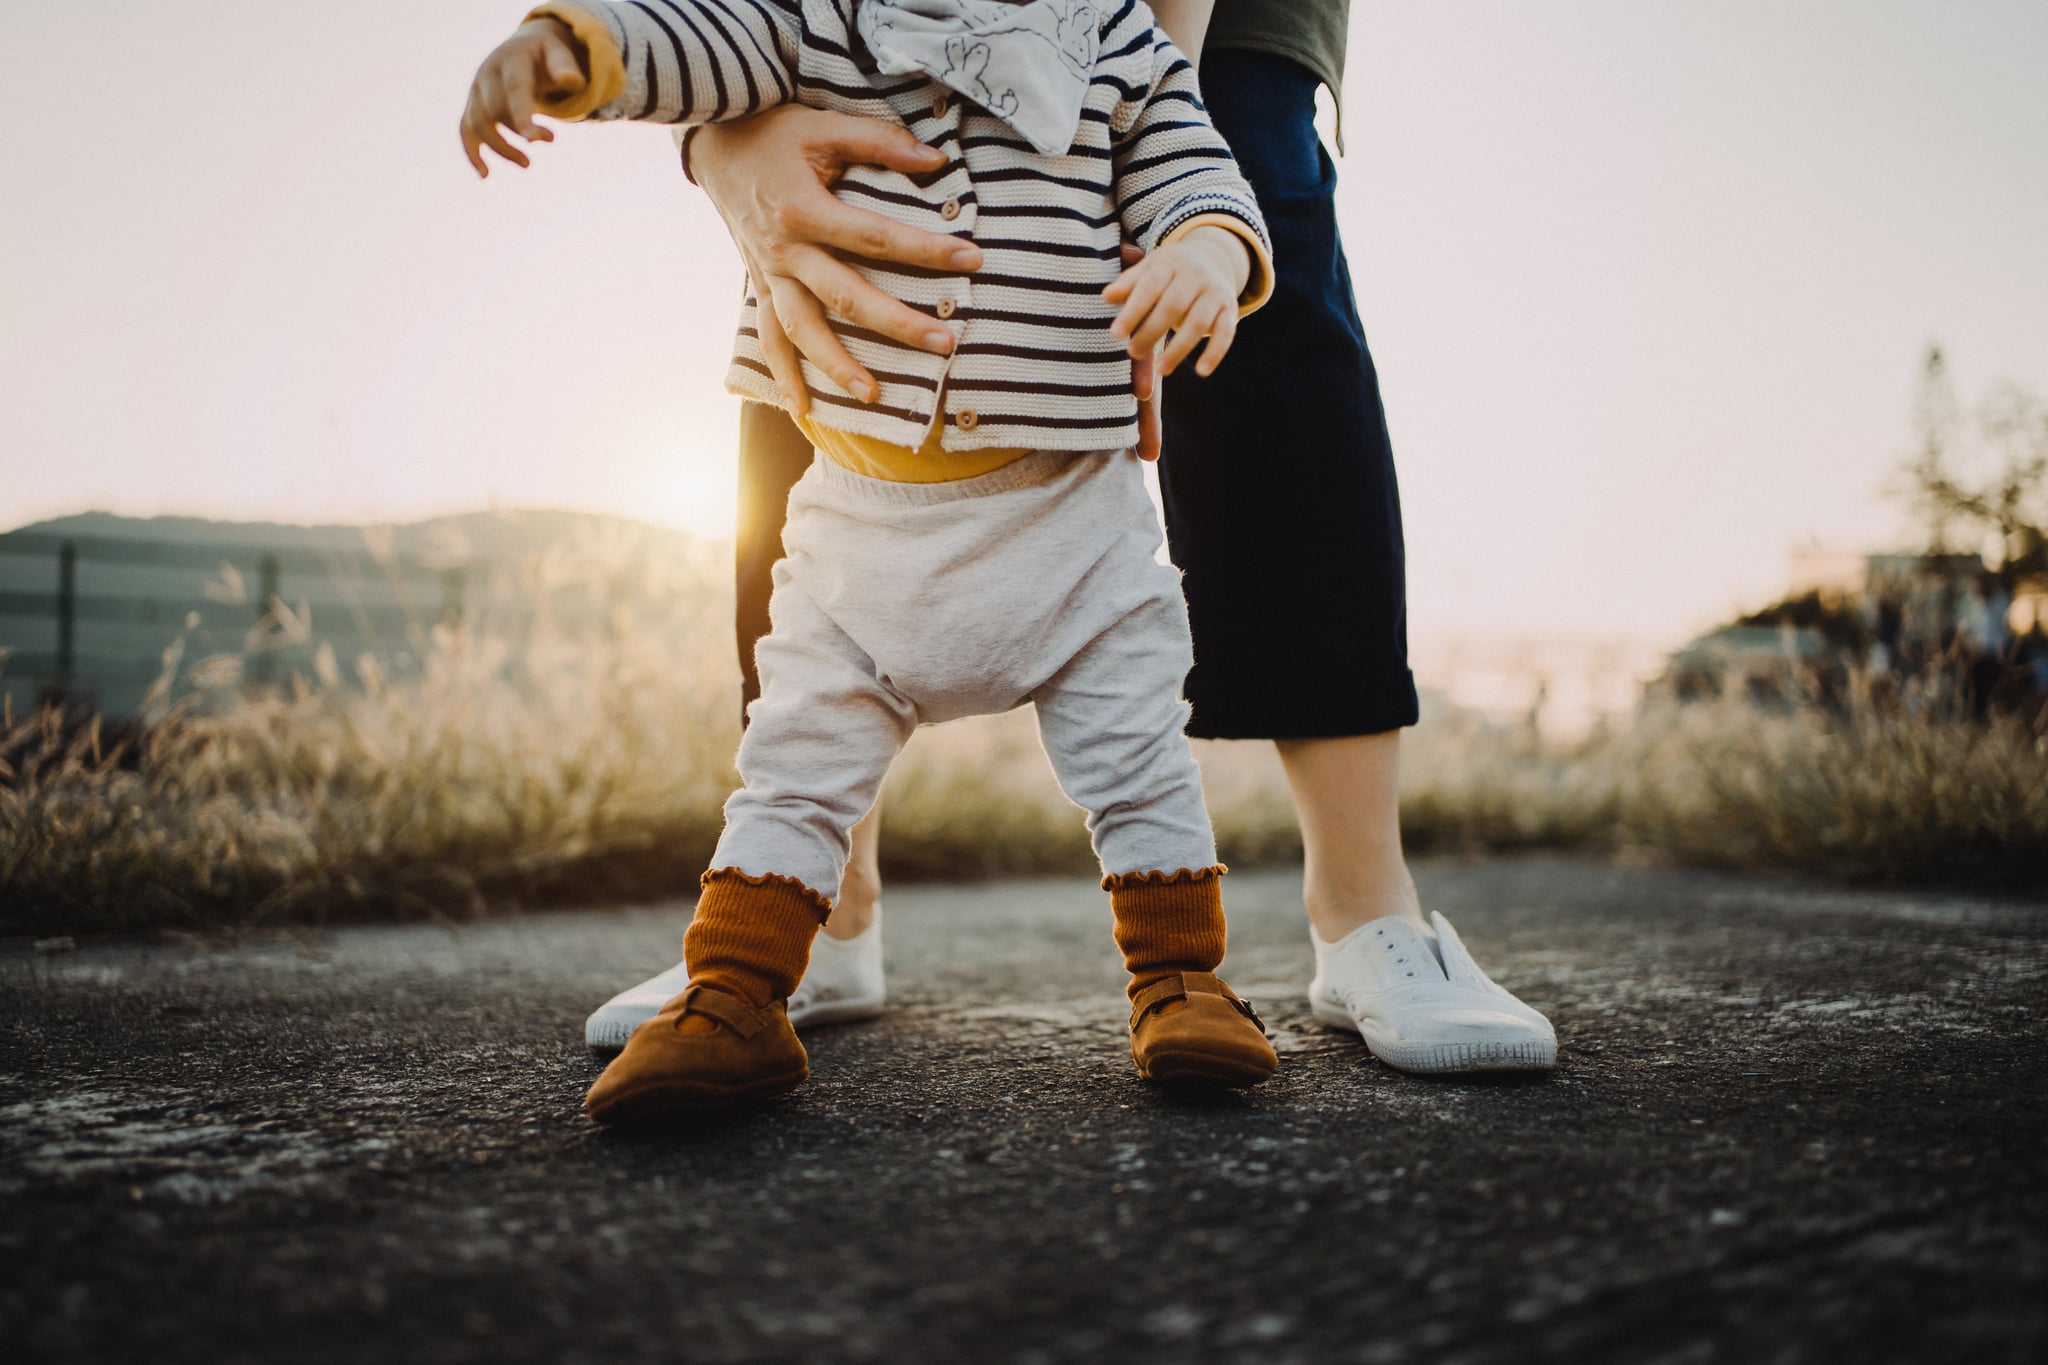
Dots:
(1150, 407)
(803, 318)
(824, 221)
(845, 291)
(858, 141)
(784, 361)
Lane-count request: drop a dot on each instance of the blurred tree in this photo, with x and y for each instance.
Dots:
(1936, 426)
(1988, 475)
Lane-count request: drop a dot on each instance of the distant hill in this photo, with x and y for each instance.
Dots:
(140, 583)
(494, 534)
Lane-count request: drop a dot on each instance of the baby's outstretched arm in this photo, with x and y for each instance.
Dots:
(690, 61)
(1189, 287)
(537, 63)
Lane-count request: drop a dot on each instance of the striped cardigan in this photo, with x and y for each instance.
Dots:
(1034, 363)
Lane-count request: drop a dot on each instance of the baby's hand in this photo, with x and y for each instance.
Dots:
(1189, 287)
(538, 62)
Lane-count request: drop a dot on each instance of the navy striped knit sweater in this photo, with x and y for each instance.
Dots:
(1035, 365)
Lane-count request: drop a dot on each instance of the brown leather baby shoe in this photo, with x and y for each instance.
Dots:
(1190, 1027)
(667, 1065)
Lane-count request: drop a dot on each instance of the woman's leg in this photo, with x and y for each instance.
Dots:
(860, 890)
(1347, 795)
(1282, 508)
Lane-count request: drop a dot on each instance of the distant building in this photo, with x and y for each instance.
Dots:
(1826, 571)
(1766, 664)
(1903, 573)
(1898, 614)
(1852, 573)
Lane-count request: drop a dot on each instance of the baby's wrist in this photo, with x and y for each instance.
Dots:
(1227, 248)
(548, 26)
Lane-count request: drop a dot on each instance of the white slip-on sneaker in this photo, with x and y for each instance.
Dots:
(843, 985)
(1422, 1004)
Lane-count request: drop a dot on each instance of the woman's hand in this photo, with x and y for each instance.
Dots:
(539, 61)
(1145, 383)
(769, 178)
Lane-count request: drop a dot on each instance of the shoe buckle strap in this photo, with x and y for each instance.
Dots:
(1245, 1008)
(1153, 996)
(728, 1010)
(1180, 985)
(1211, 984)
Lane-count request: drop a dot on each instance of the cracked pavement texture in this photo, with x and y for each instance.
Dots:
(1791, 1122)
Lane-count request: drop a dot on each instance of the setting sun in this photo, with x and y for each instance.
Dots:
(695, 491)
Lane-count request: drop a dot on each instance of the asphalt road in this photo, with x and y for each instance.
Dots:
(1790, 1123)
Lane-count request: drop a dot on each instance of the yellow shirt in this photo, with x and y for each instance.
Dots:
(879, 459)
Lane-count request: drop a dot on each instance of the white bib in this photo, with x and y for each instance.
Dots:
(1029, 65)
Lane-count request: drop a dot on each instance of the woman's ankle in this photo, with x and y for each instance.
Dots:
(860, 894)
(1334, 911)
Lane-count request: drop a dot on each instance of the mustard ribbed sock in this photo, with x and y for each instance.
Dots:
(752, 935)
(1167, 923)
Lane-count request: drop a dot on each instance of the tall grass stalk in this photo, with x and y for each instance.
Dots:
(553, 769)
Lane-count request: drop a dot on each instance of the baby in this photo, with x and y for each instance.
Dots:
(976, 534)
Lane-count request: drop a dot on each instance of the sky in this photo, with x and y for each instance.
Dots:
(1649, 285)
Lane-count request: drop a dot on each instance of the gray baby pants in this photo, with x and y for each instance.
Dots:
(902, 603)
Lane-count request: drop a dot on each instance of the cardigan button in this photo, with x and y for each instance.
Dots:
(939, 103)
(946, 308)
(950, 210)
(967, 419)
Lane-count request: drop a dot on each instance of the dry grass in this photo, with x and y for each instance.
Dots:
(1871, 791)
(553, 768)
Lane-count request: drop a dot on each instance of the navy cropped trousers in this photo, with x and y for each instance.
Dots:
(1282, 510)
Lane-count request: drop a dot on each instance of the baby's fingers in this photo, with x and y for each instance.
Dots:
(1220, 336)
(1119, 288)
(480, 131)
(487, 109)
(1186, 337)
(495, 140)
(520, 104)
(1170, 312)
(1141, 297)
(472, 147)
